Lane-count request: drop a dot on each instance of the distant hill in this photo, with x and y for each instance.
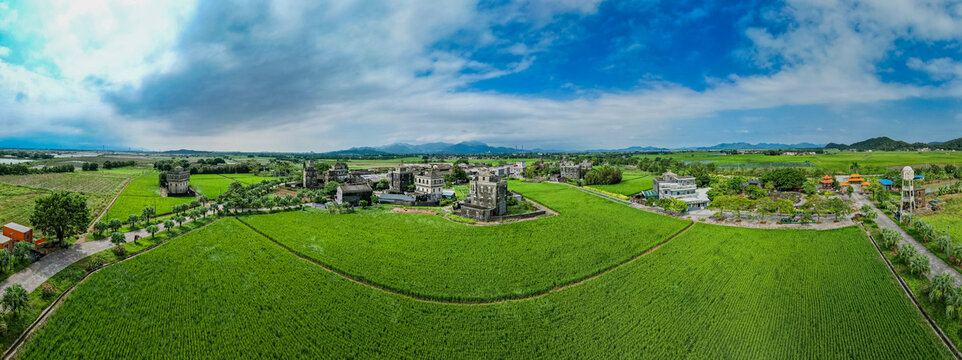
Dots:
(467, 147)
(881, 143)
(954, 144)
(630, 149)
(760, 146)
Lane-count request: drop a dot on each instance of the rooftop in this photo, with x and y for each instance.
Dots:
(17, 227)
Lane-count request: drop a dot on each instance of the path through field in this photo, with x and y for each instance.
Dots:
(937, 265)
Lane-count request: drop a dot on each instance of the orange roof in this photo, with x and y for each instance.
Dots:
(827, 177)
(827, 181)
(844, 183)
(866, 183)
(856, 175)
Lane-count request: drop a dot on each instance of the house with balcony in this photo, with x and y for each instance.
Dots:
(674, 186)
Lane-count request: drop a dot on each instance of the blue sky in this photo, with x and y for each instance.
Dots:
(565, 74)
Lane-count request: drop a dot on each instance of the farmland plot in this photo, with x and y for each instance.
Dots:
(142, 192)
(715, 292)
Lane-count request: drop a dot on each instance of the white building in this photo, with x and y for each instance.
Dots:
(673, 186)
(429, 183)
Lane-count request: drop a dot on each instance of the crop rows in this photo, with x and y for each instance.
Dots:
(429, 256)
(84, 182)
(224, 292)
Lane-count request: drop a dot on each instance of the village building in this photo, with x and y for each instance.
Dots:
(14, 233)
(430, 183)
(487, 198)
(338, 172)
(886, 184)
(354, 193)
(573, 171)
(309, 180)
(673, 186)
(400, 179)
(177, 181)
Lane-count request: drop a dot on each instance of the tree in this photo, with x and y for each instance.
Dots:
(168, 224)
(817, 205)
(785, 179)
(766, 206)
(785, 206)
(101, 226)
(118, 239)
(15, 299)
(180, 219)
(732, 185)
(362, 203)
(330, 188)
(62, 213)
(603, 175)
(850, 190)
(755, 192)
(5, 259)
(148, 213)
(132, 220)
(868, 212)
(941, 287)
(838, 207)
(153, 229)
(115, 224)
(890, 238)
(953, 303)
(21, 250)
(809, 188)
(919, 265)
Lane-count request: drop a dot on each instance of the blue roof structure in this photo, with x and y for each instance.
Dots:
(919, 177)
(394, 197)
(885, 182)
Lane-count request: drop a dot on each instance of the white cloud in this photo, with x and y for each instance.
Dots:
(373, 76)
(4, 51)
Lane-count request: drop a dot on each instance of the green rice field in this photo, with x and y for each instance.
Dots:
(224, 291)
(631, 183)
(142, 192)
(426, 254)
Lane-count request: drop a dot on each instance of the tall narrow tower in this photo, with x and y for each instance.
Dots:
(908, 192)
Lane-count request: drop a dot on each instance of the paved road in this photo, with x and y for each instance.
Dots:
(34, 275)
(937, 265)
(37, 273)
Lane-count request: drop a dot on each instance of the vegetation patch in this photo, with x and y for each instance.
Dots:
(144, 191)
(431, 257)
(713, 292)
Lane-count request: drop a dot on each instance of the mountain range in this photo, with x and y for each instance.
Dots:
(477, 147)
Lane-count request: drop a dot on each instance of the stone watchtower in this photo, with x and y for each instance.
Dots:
(401, 178)
(310, 175)
(488, 197)
(177, 181)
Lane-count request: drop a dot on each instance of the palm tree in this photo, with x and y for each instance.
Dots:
(919, 265)
(169, 224)
(148, 213)
(5, 259)
(941, 287)
(953, 303)
(118, 238)
(15, 299)
(152, 229)
(132, 220)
